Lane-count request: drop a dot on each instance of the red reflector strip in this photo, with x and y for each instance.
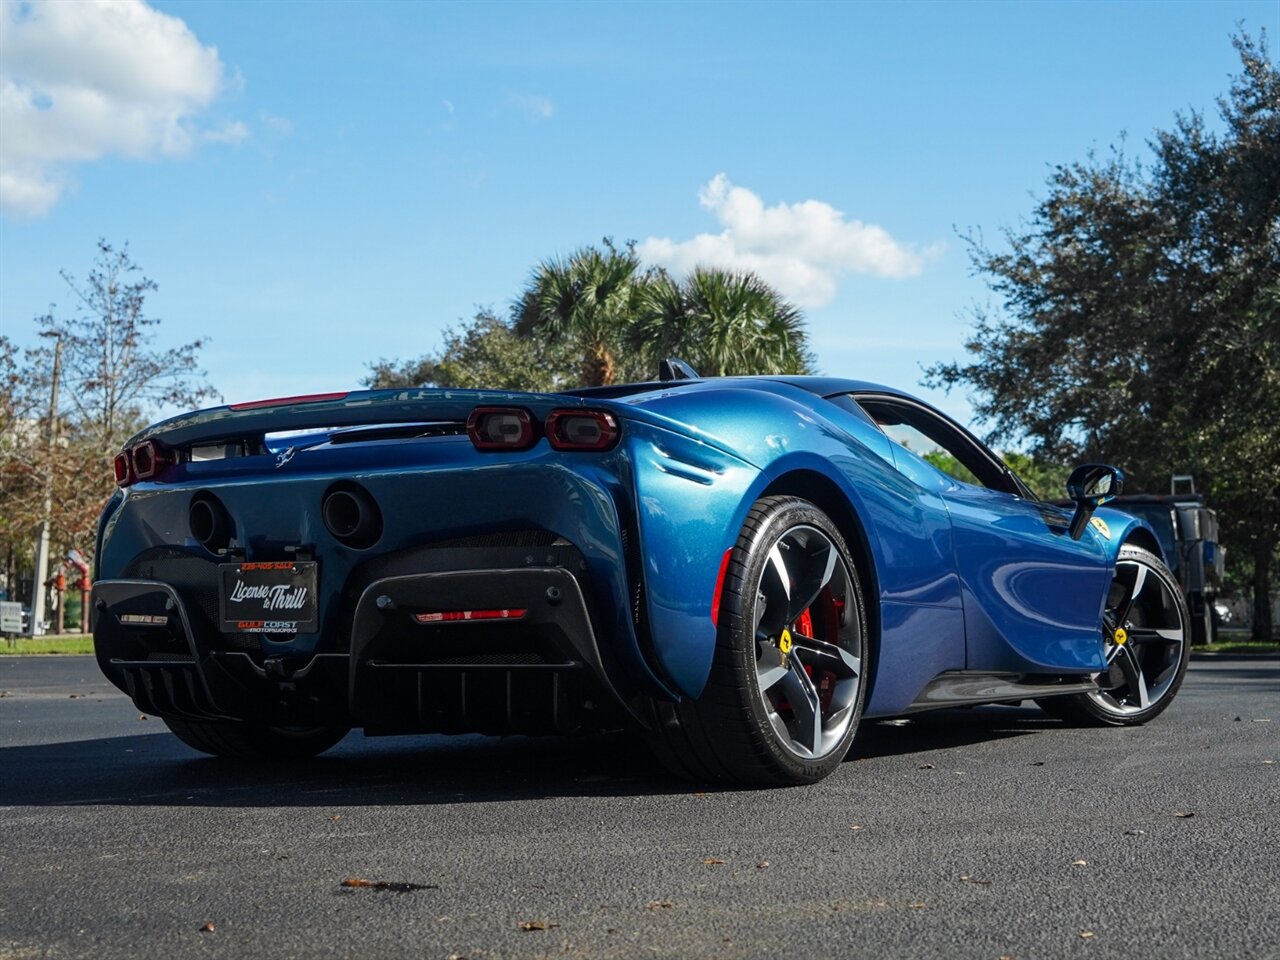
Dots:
(287, 401)
(715, 597)
(454, 616)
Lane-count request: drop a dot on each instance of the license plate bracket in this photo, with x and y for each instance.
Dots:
(270, 597)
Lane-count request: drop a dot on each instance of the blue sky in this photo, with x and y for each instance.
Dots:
(318, 185)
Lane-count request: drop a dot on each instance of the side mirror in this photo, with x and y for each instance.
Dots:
(1090, 486)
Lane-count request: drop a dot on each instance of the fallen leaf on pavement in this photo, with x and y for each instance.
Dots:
(712, 862)
(1079, 863)
(1036, 763)
(393, 886)
(658, 905)
(1184, 815)
(856, 826)
(925, 766)
(1086, 934)
(206, 928)
(1135, 833)
(918, 905)
(528, 926)
(336, 817)
(762, 865)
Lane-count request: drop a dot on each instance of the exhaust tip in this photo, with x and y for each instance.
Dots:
(209, 522)
(351, 516)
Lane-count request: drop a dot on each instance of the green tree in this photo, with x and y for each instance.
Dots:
(484, 353)
(586, 301)
(723, 323)
(1140, 318)
(113, 379)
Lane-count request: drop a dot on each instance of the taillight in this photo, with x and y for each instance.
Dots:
(501, 428)
(149, 458)
(124, 469)
(582, 429)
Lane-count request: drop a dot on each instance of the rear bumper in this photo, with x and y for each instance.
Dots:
(540, 671)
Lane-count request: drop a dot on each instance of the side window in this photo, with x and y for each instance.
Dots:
(934, 438)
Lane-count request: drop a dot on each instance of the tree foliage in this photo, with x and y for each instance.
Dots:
(484, 353)
(596, 317)
(1139, 316)
(113, 379)
(722, 323)
(587, 300)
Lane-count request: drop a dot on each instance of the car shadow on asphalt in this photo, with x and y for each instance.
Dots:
(157, 770)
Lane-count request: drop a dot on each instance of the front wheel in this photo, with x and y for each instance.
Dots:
(248, 741)
(1146, 642)
(787, 682)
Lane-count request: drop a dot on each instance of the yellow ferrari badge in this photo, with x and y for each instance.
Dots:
(1121, 636)
(784, 642)
(1101, 526)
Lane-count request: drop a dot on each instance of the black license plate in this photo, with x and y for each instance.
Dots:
(267, 597)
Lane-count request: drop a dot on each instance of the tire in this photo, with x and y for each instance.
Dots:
(781, 705)
(247, 741)
(1149, 661)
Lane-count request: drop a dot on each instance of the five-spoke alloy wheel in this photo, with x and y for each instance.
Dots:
(789, 677)
(1146, 646)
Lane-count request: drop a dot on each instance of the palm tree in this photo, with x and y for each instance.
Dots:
(723, 323)
(586, 299)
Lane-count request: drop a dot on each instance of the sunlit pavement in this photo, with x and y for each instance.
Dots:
(980, 833)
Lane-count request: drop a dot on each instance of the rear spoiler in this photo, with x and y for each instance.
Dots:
(249, 421)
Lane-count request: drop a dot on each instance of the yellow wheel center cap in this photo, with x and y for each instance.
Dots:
(784, 642)
(1121, 635)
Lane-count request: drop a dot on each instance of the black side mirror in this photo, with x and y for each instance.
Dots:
(1090, 486)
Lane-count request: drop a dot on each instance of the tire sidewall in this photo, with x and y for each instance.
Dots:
(737, 632)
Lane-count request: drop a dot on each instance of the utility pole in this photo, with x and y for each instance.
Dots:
(38, 590)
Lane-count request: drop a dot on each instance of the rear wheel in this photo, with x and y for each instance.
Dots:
(1147, 643)
(248, 741)
(787, 683)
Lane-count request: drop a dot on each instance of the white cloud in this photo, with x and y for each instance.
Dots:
(79, 81)
(232, 132)
(281, 125)
(533, 105)
(802, 249)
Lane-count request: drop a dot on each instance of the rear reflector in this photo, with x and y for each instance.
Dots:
(287, 401)
(501, 428)
(582, 429)
(719, 591)
(454, 616)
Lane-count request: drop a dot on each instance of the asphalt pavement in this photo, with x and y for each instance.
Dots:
(985, 833)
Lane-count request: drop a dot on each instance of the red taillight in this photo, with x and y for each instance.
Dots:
(287, 401)
(715, 597)
(501, 428)
(149, 458)
(582, 429)
(456, 616)
(124, 469)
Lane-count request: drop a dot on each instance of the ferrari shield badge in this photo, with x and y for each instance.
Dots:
(1101, 526)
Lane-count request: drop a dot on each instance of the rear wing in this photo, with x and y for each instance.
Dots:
(252, 421)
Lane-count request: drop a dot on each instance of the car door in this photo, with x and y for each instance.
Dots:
(1033, 597)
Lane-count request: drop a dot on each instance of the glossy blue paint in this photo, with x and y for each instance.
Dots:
(964, 577)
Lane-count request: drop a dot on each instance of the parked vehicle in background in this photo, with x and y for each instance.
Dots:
(1188, 534)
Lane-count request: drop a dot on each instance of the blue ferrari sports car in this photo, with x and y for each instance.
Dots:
(739, 569)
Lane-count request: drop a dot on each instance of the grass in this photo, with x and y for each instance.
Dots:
(63, 643)
(1238, 646)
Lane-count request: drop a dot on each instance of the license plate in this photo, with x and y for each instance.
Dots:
(267, 597)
